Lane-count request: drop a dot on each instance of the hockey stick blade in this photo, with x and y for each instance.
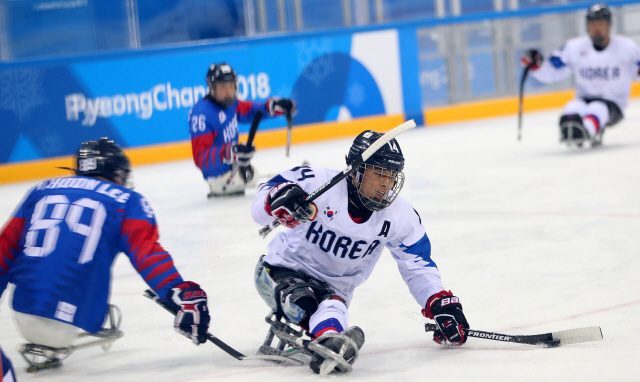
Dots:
(553, 339)
(219, 343)
(383, 140)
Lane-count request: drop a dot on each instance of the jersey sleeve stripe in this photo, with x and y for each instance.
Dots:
(9, 243)
(199, 146)
(422, 250)
(556, 62)
(220, 154)
(152, 262)
(212, 157)
(272, 182)
(160, 269)
(169, 281)
(205, 158)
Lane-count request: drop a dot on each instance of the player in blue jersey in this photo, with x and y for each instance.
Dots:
(59, 246)
(213, 125)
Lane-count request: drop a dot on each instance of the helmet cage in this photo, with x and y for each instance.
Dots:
(382, 184)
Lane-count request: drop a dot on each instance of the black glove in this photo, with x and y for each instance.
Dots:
(287, 203)
(192, 319)
(445, 309)
(277, 106)
(243, 154)
(532, 58)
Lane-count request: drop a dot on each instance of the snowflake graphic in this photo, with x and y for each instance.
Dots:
(21, 91)
(283, 90)
(356, 94)
(50, 143)
(314, 59)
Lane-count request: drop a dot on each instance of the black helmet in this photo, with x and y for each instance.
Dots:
(221, 72)
(599, 12)
(103, 158)
(389, 157)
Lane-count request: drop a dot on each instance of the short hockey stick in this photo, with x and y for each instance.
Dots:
(216, 341)
(553, 339)
(520, 99)
(255, 122)
(383, 140)
(289, 127)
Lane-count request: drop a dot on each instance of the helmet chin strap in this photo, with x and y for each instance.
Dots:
(354, 194)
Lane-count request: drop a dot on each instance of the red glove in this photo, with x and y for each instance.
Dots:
(277, 106)
(287, 203)
(532, 58)
(445, 309)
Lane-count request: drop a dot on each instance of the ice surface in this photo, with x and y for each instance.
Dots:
(532, 236)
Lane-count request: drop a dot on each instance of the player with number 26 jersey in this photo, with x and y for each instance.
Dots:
(213, 127)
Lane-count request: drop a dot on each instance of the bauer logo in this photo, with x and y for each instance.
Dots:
(160, 97)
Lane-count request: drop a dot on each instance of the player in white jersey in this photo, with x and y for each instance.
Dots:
(332, 245)
(603, 66)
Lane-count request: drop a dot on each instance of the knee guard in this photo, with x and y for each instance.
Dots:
(265, 285)
(297, 300)
(292, 294)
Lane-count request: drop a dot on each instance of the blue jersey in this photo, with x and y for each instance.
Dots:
(213, 129)
(60, 244)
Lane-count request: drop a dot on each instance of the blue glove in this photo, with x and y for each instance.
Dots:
(192, 317)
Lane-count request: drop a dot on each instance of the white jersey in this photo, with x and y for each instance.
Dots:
(605, 74)
(342, 253)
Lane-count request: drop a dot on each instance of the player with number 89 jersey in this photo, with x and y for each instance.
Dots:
(71, 229)
(59, 246)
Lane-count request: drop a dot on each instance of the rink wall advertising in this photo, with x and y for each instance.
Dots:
(343, 80)
(144, 99)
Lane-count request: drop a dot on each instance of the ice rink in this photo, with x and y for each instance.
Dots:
(532, 236)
